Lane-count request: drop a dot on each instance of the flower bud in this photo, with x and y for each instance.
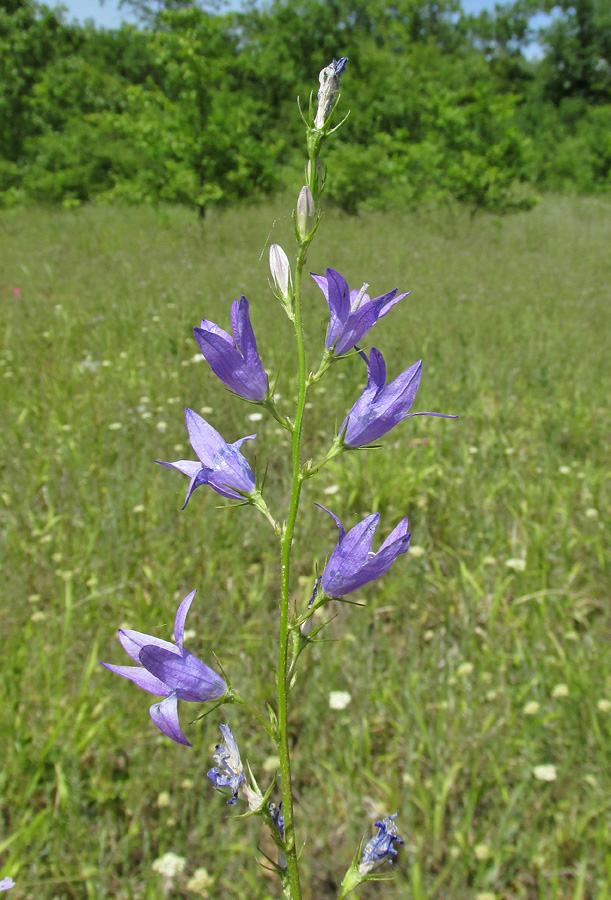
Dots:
(281, 271)
(315, 185)
(306, 213)
(329, 85)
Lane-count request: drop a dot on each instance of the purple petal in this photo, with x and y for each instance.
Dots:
(202, 476)
(243, 331)
(321, 281)
(376, 369)
(383, 559)
(165, 717)
(186, 466)
(6, 884)
(205, 440)
(363, 318)
(381, 407)
(179, 621)
(133, 642)
(237, 444)
(398, 533)
(244, 375)
(212, 328)
(339, 305)
(342, 573)
(192, 679)
(342, 531)
(141, 677)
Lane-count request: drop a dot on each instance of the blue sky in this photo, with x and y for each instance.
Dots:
(109, 15)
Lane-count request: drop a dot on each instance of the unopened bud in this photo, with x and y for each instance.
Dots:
(306, 213)
(315, 180)
(281, 271)
(329, 85)
(253, 797)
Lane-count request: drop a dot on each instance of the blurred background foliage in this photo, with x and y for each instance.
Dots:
(195, 104)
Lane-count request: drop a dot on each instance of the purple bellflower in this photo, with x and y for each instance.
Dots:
(380, 847)
(234, 359)
(221, 465)
(6, 884)
(353, 563)
(381, 406)
(353, 313)
(228, 772)
(169, 671)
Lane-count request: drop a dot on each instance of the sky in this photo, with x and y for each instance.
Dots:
(109, 15)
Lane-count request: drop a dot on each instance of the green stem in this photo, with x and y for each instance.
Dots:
(287, 539)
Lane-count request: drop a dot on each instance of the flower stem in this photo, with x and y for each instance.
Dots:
(287, 539)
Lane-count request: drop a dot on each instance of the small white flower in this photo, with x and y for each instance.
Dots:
(331, 489)
(518, 565)
(531, 708)
(255, 417)
(561, 690)
(138, 509)
(115, 426)
(545, 773)
(464, 669)
(339, 699)
(199, 882)
(170, 865)
(163, 799)
(604, 705)
(482, 851)
(592, 513)
(162, 427)
(564, 470)
(416, 551)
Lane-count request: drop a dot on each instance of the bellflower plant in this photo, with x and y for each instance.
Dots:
(169, 670)
(6, 884)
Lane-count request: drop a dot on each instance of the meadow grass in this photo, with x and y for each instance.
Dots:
(480, 657)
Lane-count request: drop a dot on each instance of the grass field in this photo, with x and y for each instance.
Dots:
(480, 658)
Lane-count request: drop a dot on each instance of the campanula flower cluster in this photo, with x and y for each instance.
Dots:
(167, 669)
(6, 884)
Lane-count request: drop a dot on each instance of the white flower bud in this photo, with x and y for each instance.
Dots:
(281, 271)
(306, 213)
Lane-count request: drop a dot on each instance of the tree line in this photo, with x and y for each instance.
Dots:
(195, 104)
